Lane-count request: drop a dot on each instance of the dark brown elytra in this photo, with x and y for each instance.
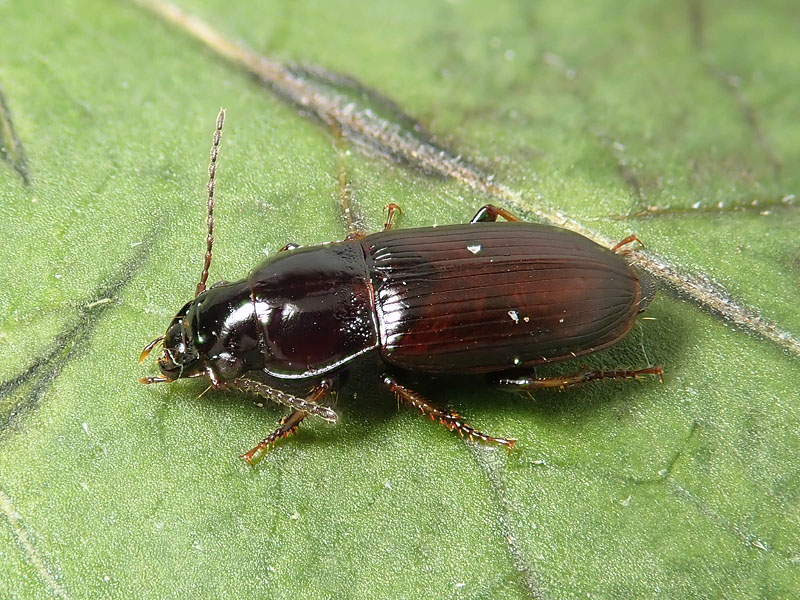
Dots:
(483, 297)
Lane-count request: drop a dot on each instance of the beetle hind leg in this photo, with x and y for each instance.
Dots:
(452, 420)
(525, 383)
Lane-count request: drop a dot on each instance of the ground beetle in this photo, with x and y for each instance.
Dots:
(482, 297)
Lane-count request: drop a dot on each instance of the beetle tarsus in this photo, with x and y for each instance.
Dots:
(452, 420)
(520, 384)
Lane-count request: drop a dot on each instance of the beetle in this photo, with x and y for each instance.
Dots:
(483, 297)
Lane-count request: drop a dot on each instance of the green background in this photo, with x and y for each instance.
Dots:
(690, 488)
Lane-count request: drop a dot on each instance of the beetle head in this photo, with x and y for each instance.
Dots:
(180, 356)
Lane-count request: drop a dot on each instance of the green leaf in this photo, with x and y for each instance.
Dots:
(676, 122)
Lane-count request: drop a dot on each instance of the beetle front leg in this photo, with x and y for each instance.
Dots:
(490, 212)
(450, 419)
(289, 424)
(523, 384)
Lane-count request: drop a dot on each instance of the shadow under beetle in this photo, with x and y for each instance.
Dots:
(482, 297)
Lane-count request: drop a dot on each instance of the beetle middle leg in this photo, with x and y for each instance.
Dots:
(450, 419)
(489, 213)
(525, 383)
(289, 424)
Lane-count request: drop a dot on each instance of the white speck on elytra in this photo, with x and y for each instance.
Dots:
(514, 316)
(474, 249)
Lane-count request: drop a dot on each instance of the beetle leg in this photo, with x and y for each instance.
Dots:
(628, 240)
(308, 405)
(520, 384)
(450, 419)
(289, 424)
(490, 212)
(289, 246)
(391, 208)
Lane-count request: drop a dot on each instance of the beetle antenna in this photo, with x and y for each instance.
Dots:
(212, 171)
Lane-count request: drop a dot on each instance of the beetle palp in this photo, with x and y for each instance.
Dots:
(147, 349)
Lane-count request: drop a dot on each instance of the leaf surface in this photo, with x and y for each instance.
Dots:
(112, 489)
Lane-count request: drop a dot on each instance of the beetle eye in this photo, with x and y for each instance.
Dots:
(185, 354)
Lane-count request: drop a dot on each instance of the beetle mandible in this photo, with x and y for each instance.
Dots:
(483, 297)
